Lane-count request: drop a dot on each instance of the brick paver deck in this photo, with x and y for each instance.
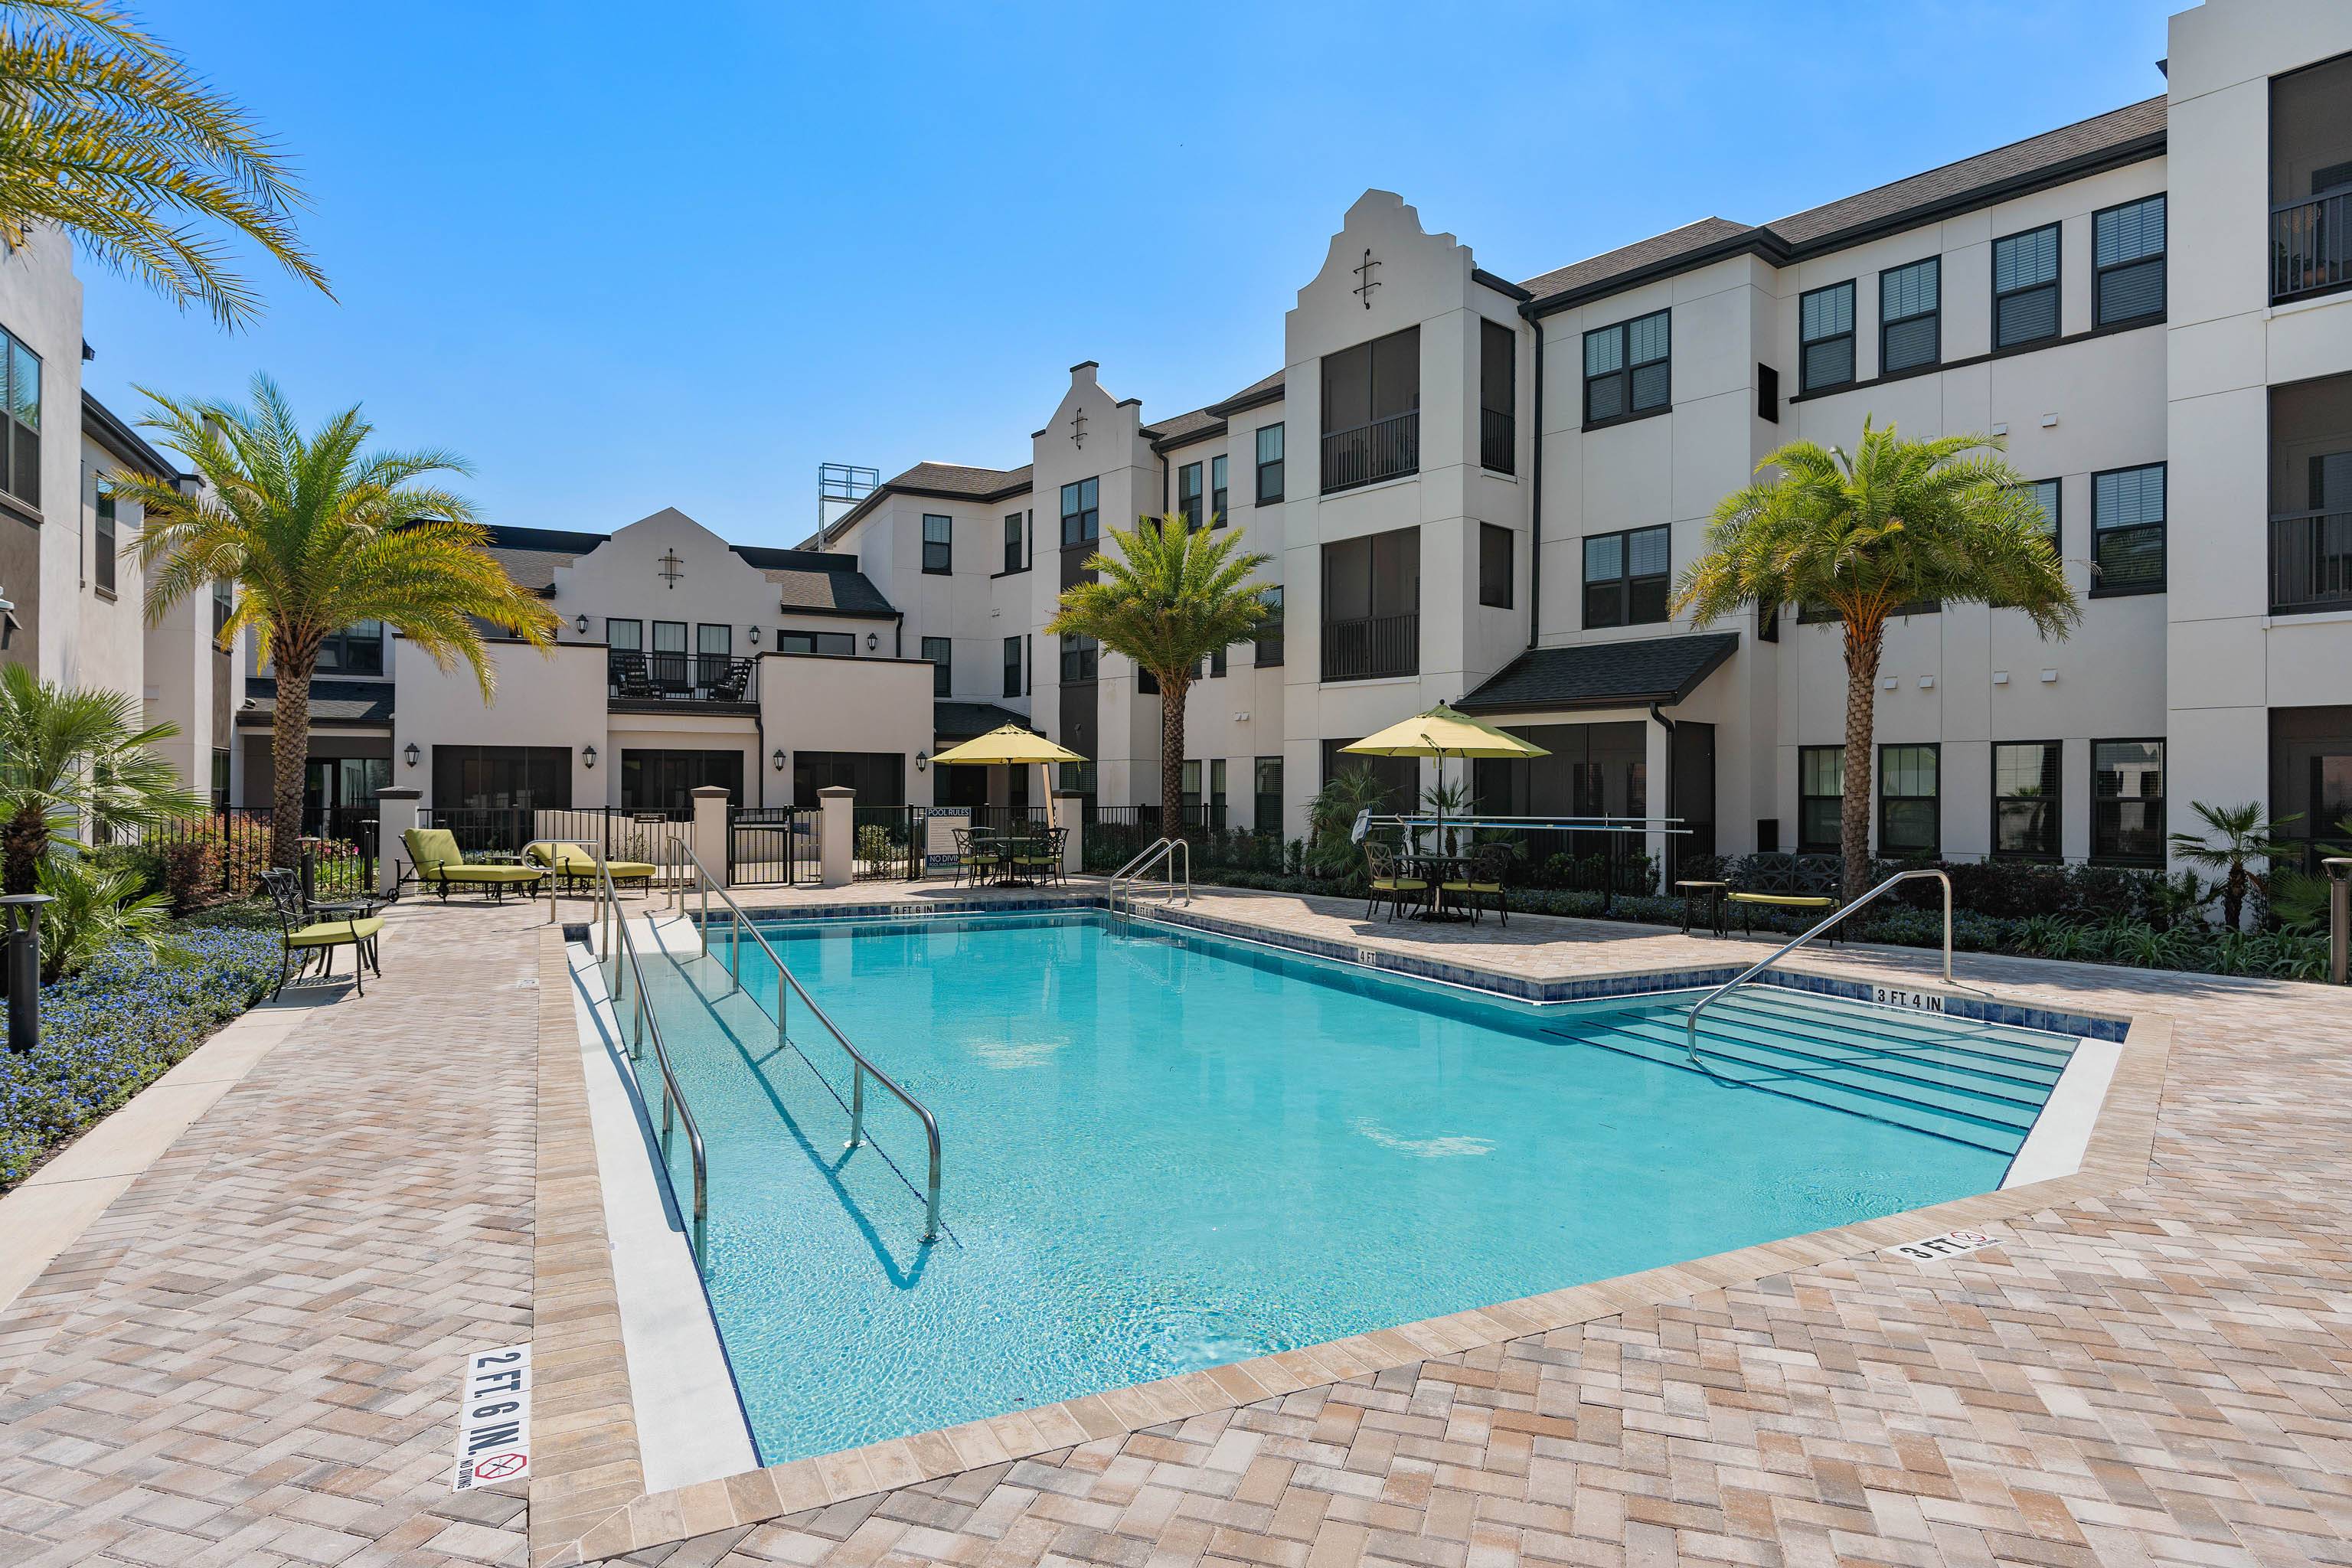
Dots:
(250, 1360)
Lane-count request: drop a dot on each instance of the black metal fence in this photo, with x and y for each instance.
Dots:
(2311, 245)
(773, 845)
(1383, 449)
(2311, 561)
(1371, 647)
(889, 840)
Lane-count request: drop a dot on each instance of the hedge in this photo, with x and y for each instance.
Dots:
(115, 1027)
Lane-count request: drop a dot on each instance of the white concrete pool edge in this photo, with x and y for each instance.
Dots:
(2060, 1137)
(690, 1423)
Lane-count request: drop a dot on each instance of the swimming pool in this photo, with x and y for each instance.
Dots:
(1165, 1151)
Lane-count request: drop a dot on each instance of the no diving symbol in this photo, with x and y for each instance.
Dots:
(499, 1467)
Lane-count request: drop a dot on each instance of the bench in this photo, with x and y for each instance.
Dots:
(1807, 882)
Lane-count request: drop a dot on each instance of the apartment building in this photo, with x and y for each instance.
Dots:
(1481, 491)
(74, 610)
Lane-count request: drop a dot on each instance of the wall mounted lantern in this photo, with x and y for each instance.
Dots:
(922, 761)
(778, 758)
(755, 637)
(583, 622)
(872, 642)
(412, 753)
(588, 755)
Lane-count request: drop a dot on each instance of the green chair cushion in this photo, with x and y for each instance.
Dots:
(483, 874)
(1472, 887)
(562, 856)
(430, 846)
(1791, 900)
(628, 870)
(335, 933)
(1400, 885)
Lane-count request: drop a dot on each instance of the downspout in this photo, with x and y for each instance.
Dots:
(899, 636)
(1535, 496)
(1667, 786)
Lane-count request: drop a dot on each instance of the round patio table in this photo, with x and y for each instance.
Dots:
(1437, 870)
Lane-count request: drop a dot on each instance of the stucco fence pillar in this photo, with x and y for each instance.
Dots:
(396, 809)
(1070, 812)
(710, 835)
(836, 835)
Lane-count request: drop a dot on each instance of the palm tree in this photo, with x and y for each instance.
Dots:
(319, 534)
(107, 134)
(68, 753)
(1168, 599)
(2236, 837)
(1896, 524)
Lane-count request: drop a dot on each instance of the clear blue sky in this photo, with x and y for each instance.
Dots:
(628, 257)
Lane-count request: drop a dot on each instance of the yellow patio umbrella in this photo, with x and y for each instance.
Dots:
(1441, 732)
(1012, 746)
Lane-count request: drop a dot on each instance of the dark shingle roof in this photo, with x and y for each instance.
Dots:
(531, 555)
(957, 721)
(1603, 674)
(332, 702)
(1211, 421)
(2134, 130)
(829, 593)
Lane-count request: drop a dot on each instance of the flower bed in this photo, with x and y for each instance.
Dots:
(112, 1029)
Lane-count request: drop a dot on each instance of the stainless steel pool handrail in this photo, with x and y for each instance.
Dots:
(1690, 1024)
(612, 919)
(1132, 872)
(863, 1069)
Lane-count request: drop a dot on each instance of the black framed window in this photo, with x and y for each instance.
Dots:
(20, 428)
(1188, 496)
(667, 663)
(1625, 577)
(2025, 287)
(1768, 393)
(357, 650)
(1012, 666)
(940, 651)
(1269, 630)
(1081, 514)
(2128, 801)
(656, 780)
(1016, 554)
(1269, 464)
(1265, 811)
(1825, 337)
(224, 604)
(1821, 798)
(2047, 496)
(1218, 661)
(2128, 262)
(1499, 387)
(102, 540)
(841, 645)
(626, 634)
(1495, 552)
(1910, 316)
(1627, 368)
(1191, 784)
(2127, 530)
(1218, 490)
(1079, 657)
(2026, 777)
(1216, 792)
(879, 778)
(1910, 801)
(1372, 411)
(938, 544)
(714, 649)
(487, 776)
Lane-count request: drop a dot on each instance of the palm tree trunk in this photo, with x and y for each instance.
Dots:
(22, 844)
(2234, 896)
(1171, 756)
(1863, 645)
(290, 752)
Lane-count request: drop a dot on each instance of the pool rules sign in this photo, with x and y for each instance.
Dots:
(494, 1419)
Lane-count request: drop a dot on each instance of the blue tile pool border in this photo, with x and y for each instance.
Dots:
(1581, 988)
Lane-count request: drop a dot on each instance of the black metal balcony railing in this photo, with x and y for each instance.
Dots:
(1385, 449)
(2311, 244)
(633, 675)
(1497, 443)
(1371, 647)
(2311, 561)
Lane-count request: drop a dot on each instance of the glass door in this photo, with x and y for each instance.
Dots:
(669, 660)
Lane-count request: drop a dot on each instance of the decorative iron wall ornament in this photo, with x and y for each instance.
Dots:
(1364, 290)
(672, 568)
(1079, 427)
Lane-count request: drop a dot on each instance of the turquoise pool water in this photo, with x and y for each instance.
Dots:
(1166, 1152)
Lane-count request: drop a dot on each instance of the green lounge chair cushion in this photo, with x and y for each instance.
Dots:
(574, 860)
(482, 874)
(335, 933)
(431, 846)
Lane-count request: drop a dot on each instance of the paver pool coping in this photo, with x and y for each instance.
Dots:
(587, 1500)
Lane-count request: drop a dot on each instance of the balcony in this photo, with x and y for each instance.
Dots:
(640, 682)
(1371, 647)
(1497, 443)
(2310, 563)
(2311, 245)
(1385, 449)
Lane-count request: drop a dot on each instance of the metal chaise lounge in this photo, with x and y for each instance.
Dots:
(439, 864)
(574, 867)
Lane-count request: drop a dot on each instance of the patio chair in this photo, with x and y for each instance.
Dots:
(973, 861)
(1040, 859)
(440, 864)
(1483, 877)
(1806, 883)
(305, 936)
(730, 682)
(1385, 879)
(630, 677)
(574, 867)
